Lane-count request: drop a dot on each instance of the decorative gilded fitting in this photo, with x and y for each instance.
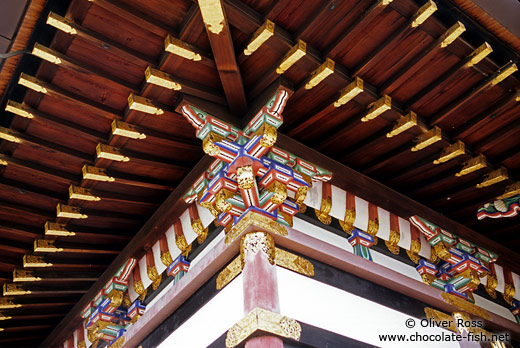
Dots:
(373, 227)
(511, 190)
(55, 229)
(279, 190)
(160, 78)
(323, 213)
(350, 92)
(15, 289)
(473, 165)
(391, 243)
(479, 54)
(139, 289)
(293, 262)
(504, 72)
(377, 108)
(181, 48)
(69, 212)
(442, 251)
(46, 246)
(348, 223)
(452, 34)
(212, 15)
(116, 298)
(221, 203)
(245, 177)
(413, 253)
(166, 258)
(61, 23)
(21, 110)
(491, 285)
(110, 153)
(208, 144)
(424, 13)
(292, 56)
(138, 103)
(126, 130)
(473, 276)
(208, 205)
(6, 303)
(269, 135)
(20, 275)
(321, 73)
(182, 244)
(229, 273)
(154, 276)
(439, 316)
(509, 293)
(262, 320)
(450, 152)
(260, 36)
(45, 53)
(81, 193)
(254, 242)
(404, 123)
(35, 261)
(494, 177)
(426, 139)
(427, 278)
(199, 229)
(32, 83)
(97, 174)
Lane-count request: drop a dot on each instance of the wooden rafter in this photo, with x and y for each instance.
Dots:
(229, 72)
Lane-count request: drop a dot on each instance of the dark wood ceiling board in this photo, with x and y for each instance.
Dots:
(485, 91)
(117, 188)
(335, 19)
(423, 171)
(45, 173)
(359, 45)
(335, 117)
(184, 153)
(261, 6)
(132, 15)
(351, 134)
(430, 74)
(74, 113)
(372, 148)
(114, 205)
(192, 71)
(15, 212)
(146, 170)
(303, 99)
(446, 93)
(50, 159)
(96, 239)
(84, 52)
(94, 89)
(500, 137)
(486, 119)
(320, 17)
(27, 198)
(29, 177)
(258, 64)
(296, 14)
(14, 247)
(229, 72)
(170, 13)
(117, 29)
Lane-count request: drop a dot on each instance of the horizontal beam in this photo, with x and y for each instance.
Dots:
(107, 175)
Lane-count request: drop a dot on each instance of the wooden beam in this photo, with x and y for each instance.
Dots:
(49, 261)
(71, 28)
(59, 93)
(229, 72)
(11, 246)
(77, 194)
(13, 289)
(43, 277)
(499, 135)
(51, 246)
(24, 211)
(16, 229)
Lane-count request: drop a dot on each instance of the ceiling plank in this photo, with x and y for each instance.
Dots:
(229, 72)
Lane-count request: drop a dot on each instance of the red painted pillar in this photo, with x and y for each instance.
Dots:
(257, 252)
